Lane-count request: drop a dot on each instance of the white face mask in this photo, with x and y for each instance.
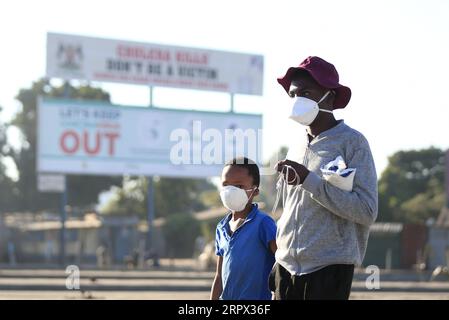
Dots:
(306, 110)
(233, 198)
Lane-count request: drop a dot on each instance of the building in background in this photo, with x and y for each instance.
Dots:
(34, 238)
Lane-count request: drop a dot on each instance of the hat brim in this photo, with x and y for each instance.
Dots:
(343, 93)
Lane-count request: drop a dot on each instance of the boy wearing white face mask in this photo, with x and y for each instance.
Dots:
(245, 240)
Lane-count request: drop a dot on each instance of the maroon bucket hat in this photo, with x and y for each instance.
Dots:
(325, 74)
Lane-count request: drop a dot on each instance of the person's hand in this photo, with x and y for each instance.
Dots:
(299, 168)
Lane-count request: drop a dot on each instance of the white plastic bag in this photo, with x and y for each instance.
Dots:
(338, 174)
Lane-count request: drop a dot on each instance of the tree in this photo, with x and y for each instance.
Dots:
(411, 189)
(8, 191)
(180, 232)
(86, 188)
(171, 196)
(129, 199)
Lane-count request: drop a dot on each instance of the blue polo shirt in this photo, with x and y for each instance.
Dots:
(247, 257)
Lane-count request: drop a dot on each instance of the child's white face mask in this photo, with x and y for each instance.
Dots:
(235, 199)
(306, 110)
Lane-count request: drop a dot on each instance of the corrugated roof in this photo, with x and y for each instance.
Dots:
(56, 225)
(387, 227)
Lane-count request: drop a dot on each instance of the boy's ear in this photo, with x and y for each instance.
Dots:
(256, 192)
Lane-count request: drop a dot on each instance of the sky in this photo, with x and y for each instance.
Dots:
(392, 54)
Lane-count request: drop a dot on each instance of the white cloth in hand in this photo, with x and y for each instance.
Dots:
(338, 174)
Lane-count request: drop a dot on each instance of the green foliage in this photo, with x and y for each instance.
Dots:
(211, 198)
(171, 196)
(208, 228)
(180, 232)
(411, 189)
(130, 199)
(8, 191)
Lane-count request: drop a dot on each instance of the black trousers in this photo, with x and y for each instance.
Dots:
(329, 283)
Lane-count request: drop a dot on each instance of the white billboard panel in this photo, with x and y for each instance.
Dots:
(104, 139)
(95, 59)
(51, 182)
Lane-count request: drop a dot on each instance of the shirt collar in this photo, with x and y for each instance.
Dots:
(249, 217)
(327, 133)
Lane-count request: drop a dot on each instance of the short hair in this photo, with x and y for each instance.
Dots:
(250, 165)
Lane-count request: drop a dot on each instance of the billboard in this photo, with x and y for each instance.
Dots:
(95, 59)
(104, 139)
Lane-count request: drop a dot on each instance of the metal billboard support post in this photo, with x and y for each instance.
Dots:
(150, 198)
(232, 102)
(150, 212)
(151, 97)
(64, 197)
